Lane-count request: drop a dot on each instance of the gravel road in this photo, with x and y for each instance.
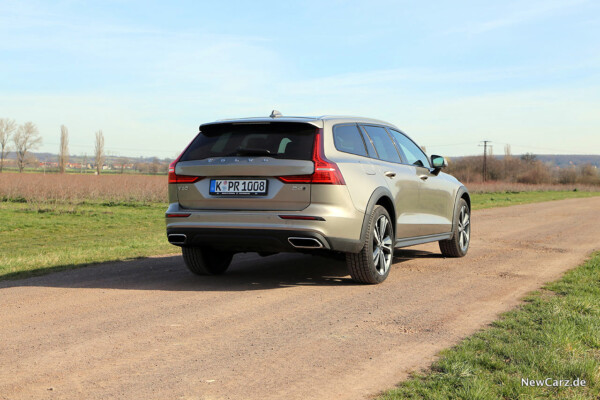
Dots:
(287, 326)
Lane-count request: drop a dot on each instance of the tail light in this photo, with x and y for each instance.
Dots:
(174, 178)
(326, 172)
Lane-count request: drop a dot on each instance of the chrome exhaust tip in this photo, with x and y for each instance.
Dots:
(305, 243)
(177, 238)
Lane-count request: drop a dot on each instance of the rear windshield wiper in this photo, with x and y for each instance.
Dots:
(242, 151)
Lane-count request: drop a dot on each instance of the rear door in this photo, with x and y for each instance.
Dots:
(240, 164)
(355, 163)
(401, 180)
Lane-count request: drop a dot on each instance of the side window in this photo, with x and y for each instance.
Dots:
(347, 138)
(414, 155)
(383, 143)
(370, 149)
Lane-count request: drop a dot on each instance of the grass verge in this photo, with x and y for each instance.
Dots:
(555, 334)
(502, 199)
(41, 238)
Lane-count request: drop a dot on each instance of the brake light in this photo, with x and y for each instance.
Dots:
(326, 172)
(174, 178)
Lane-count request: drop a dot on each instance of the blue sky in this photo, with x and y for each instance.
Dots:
(449, 73)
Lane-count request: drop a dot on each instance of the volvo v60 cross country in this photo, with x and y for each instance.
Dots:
(338, 185)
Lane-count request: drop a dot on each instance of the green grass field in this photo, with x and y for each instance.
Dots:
(555, 334)
(503, 199)
(40, 237)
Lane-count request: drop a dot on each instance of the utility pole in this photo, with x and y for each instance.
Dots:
(484, 172)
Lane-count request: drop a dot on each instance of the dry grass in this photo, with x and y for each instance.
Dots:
(499, 187)
(75, 188)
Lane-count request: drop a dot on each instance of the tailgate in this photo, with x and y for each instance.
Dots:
(240, 165)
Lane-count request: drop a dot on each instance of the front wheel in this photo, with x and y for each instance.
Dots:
(459, 244)
(206, 261)
(372, 263)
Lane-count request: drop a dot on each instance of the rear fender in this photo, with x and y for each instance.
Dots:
(375, 197)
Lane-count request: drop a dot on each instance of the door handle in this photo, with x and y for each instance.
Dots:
(390, 174)
(423, 177)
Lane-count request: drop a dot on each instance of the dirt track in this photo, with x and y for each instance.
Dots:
(281, 327)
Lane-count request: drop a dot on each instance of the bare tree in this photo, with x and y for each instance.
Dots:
(154, 166)
(99, 151)
(164, 167)
(529, 158)
(123, 161)
(7, 127)
(63, 153)
(84, 162)
(26, 139)
(31, 160)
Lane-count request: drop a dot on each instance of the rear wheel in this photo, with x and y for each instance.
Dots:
(459, 244)
(206, 261)
(372, 263)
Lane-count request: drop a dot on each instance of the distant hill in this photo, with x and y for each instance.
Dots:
(564, 160)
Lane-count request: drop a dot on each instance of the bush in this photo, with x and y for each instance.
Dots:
(536, 174)
(526, 169)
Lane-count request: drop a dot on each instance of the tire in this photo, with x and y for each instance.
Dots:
(206, 261)
(372, 264)
(459, 244)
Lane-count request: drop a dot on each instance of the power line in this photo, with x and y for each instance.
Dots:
(452, 144)
(563, 151)
(485, 144)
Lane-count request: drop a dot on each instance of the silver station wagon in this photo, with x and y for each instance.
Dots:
(349, 186)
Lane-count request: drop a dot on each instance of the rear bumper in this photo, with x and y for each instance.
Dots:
(267, 240)
(263, 231)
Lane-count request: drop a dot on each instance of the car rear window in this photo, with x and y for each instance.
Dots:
(286, 140)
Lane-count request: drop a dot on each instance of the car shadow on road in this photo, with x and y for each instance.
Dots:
(248, 271)
(403, 255)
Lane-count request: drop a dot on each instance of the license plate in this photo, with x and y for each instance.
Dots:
(251, 187)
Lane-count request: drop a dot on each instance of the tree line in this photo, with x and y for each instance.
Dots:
(25, 138)
(526, 168)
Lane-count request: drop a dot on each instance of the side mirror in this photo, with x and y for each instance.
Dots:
(438, 162)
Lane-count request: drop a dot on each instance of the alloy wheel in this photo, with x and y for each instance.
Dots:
(382, 245)
(464, 228)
